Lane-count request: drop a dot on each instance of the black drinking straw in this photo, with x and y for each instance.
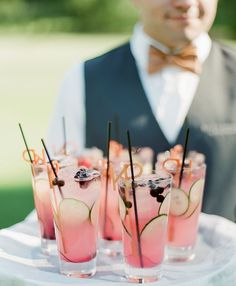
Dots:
(53, 169)
(135, 202)
(107, 174)
(49, 159)
(117, 127)
(64, 133)
(22, 133)
(184, 156)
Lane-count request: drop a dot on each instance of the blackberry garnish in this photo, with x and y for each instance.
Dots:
(160, 198)
(156, 191)
(85, 174)
(160, 190)
(128, 204)
(59, 183)
(153, 193)
(82, 174)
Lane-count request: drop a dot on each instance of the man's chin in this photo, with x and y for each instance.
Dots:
(186, 35)
(185, 31)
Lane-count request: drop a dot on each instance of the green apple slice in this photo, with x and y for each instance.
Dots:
(195, 197)
(153, 225)
(179, 202)
(191, 210)
(93, 215)
(122, 209)
(164, 206)
(125, 228)
(56, 219)
(195, 193)
(73, 211)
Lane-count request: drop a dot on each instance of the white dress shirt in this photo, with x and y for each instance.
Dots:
(170, 93)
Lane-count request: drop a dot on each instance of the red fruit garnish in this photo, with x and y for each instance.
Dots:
(84, 162)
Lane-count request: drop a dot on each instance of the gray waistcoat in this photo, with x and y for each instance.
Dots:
(113, 86)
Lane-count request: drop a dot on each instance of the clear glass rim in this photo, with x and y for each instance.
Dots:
(194, 168)
(146, 177)
(39, 164)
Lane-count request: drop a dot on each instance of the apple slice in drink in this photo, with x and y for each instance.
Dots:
(122, 209)
(72, 211)
(179, 203)
(164, 206)
(56, 219)
(152, 225)
(151, 234)
(196, 190)
(191, 210)
(125, 226)
(195, 197)
(93, 214)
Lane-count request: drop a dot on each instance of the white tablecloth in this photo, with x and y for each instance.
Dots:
(22, 263)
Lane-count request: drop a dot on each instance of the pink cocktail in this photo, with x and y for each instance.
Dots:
(186, 202)
(144, 240)
(185, 208)
(41, 191)
(110, 224)
(109, 216)
(75, 201)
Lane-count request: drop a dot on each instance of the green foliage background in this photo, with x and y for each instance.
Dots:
(97, 16)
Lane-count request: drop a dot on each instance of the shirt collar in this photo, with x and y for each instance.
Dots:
(140, 43)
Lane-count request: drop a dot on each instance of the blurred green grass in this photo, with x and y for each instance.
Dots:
(31, 70)
(15, 204)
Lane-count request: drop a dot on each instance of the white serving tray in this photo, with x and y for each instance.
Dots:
(22, 263)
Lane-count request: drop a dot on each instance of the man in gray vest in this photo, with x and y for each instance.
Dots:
(170, 70)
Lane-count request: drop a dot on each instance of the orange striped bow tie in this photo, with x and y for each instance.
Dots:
(186, 59)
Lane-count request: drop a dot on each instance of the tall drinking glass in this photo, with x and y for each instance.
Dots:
(144, 231)
(41, 191)
(185, 207)
(109, 220)
(75, 202)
